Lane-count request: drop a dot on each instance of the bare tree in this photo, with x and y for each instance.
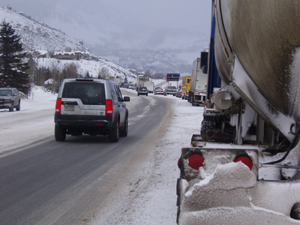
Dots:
(70, 71)
(103, 73)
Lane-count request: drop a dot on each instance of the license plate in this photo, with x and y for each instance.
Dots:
(69, 107)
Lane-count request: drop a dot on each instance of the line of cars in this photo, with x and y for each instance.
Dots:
(169, 90)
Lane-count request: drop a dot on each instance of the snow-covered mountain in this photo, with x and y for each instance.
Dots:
(118, 34)
(36, 36)
(106, 32)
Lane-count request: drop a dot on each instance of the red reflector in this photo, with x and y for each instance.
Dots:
(58, 106)
(109, 107)
(210, 133)
(64, 123)
(219, 134)
(196, 161)
(99, 124)
(246, 160)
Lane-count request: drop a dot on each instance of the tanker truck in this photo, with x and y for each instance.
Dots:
(243, 165)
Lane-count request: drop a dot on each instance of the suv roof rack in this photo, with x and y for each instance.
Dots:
(84, 79)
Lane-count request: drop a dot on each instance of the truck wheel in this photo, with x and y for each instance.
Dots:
(113, 135)
(60, 134)
(19, 106)
(124, 131)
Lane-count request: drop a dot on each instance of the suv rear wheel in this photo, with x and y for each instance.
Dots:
(113, 135)
(60, 135)
(124, 131)
(18, 106)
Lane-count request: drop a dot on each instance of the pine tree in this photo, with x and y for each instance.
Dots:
(12, 69)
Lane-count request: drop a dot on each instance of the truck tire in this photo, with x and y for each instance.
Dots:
(192, 101)
(113, 135)
(59, 134)
(124, 131)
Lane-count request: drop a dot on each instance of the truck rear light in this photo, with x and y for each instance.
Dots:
(58, 106)
(219, 134)
(244, 159)
(109, 107)
(210, 133)
(195, 161)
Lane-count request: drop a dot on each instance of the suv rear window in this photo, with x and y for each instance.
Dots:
(89, 93)
(171, 87)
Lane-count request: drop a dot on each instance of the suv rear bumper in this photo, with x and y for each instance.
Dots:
(84, 124)
(6, 106)
(170, 92)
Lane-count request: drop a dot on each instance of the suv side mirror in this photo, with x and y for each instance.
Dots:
(126, 99)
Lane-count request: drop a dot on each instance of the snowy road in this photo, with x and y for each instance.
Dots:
(87, 180)
(67, 183)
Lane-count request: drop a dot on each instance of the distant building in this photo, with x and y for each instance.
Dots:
(41, 54)
(71, 55)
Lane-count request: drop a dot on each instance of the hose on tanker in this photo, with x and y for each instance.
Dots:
(288, 151)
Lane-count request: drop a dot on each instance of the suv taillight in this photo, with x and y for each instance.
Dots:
(109, 107)
(58, 106)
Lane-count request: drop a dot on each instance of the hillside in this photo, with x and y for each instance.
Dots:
(36, 36)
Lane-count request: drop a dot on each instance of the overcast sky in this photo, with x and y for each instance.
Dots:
(154, 12)
(125, 24)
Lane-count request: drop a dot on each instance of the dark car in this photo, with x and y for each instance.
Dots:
(10, 98)
(142, 91)
(90, 106)
(158, 91)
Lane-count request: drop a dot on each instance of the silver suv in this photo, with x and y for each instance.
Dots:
(90, 106)
(10, 98)
(171, 90)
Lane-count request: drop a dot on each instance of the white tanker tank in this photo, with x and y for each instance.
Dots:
(258, 53)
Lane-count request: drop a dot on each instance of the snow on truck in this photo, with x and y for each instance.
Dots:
(149, 85)
(197, 93)
(141, 79)
(145, 81)
(243, 167)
